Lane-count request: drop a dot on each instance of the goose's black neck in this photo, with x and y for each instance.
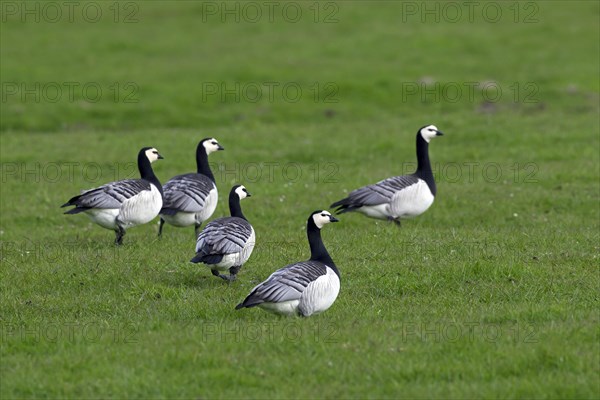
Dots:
(234, 205)
(146, 171)
(423, 165)
(202, 162)
(318, 252)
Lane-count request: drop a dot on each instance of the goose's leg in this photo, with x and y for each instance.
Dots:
(120, 232)
(217, 274)
(160, 227)
(396, 221)
(233, 271)
(226, 278)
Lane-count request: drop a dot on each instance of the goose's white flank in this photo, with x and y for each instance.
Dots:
(225, 244)
(401, 196)
(123, 204)
(191, 199)
(303, 288)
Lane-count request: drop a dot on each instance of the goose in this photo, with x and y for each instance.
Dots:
(401, 196)
(227, 243)
(303, 288)
(123, 204)
(190, 199)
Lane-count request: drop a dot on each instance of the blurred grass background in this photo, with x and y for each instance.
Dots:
(370, 52)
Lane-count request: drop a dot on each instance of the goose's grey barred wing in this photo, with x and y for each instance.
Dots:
(224, 236)
(285, 284)
(378, 193)
(186, 193)
(110, 195)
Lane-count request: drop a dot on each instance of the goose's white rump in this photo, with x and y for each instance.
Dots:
(238, 258)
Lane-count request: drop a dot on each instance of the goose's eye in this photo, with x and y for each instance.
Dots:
(323, 215)
(214, 143)
(155, 152)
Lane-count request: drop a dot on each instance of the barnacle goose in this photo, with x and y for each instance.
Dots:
(303, 288)
(227, 243)
(400, 196)
(123, 204)
(190, 199)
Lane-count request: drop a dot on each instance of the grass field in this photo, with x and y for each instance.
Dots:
(493, 293)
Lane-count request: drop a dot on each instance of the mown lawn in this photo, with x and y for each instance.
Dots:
(491, 293)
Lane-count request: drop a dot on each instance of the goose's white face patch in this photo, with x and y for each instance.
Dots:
(242, 192)
(322, 218)
(152, 155)
(210, 145)
(429, 132)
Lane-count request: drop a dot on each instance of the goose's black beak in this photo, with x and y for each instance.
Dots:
(333, 219)
(439, 133)
(160, 157)
(219, 147)
(248, 194)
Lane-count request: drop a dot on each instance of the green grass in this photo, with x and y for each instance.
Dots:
(491, 293)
